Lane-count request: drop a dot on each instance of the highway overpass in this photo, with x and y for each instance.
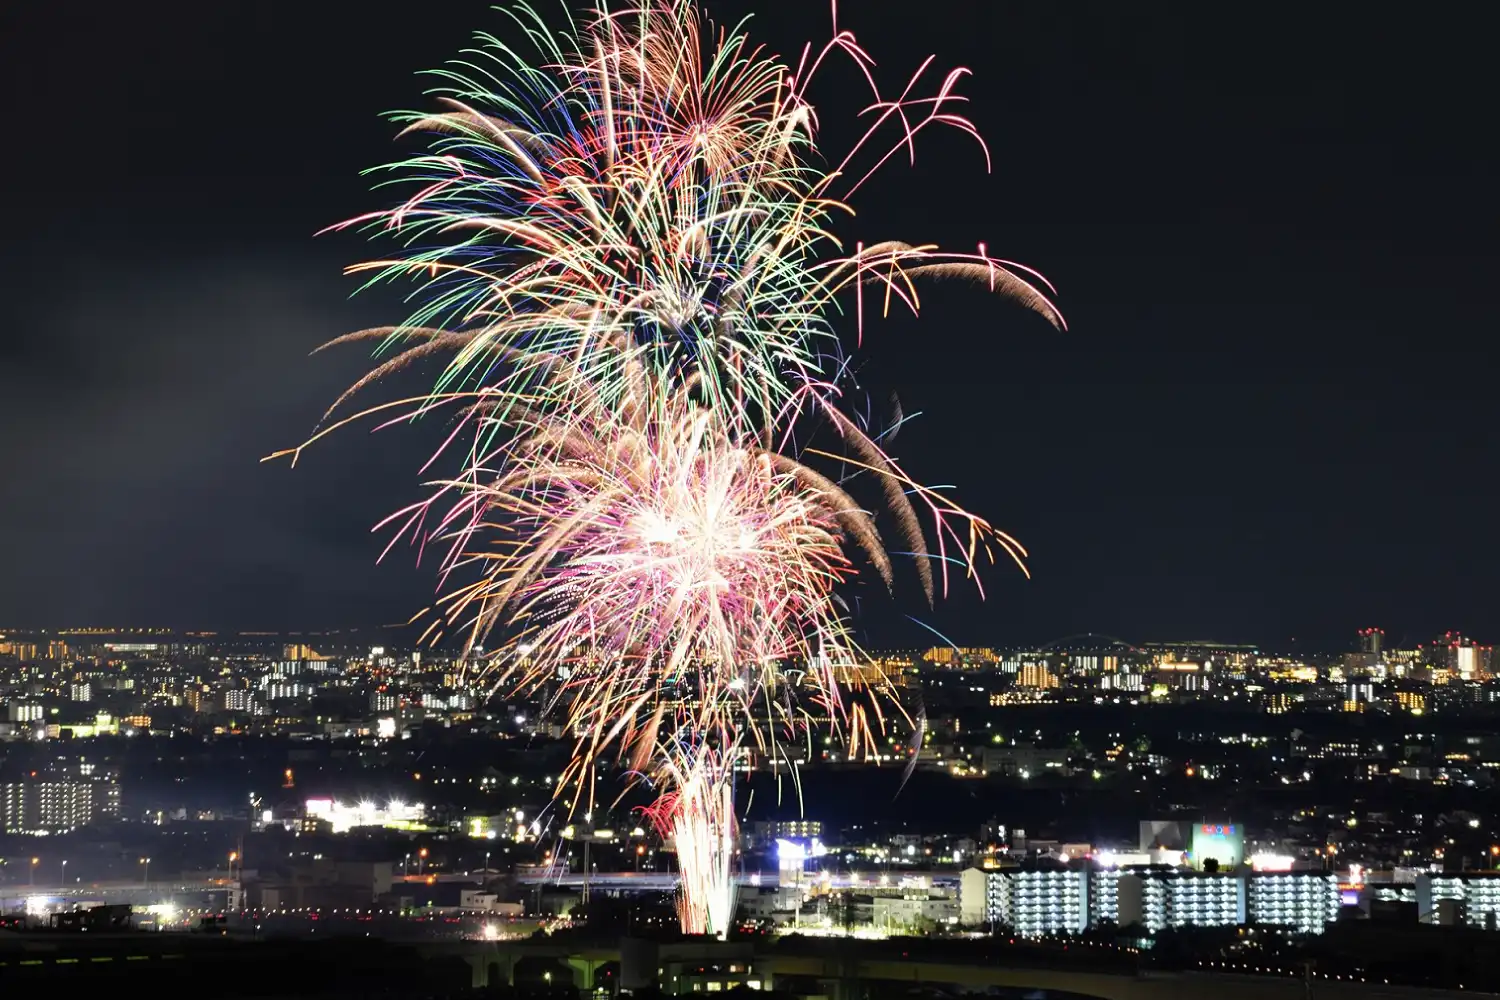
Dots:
(160, 891)
(840, 970)
(188, 961)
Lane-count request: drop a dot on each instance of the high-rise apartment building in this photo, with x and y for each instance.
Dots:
(1305, 902)
(1153, 897)
(1030, 902)
(1155, 900)
(47, 805)
(1459, 898)
(1038, 676)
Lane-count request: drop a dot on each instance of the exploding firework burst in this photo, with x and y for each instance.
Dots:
(652, 179)
(625, 252)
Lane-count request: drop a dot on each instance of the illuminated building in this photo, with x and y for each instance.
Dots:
(1155, 900)
(1458, 656)
(1030, 902)
(46, 806)
(1412, 702)
(239, 700)
(1371, 640)
(104, 724)
(1471, 898)
(1466, 662)
(770, 831)
(1123, 682)
(1302, 901)
(875, 674)
(1358, 694)
(1037, 675)
(1104, 895)
(285, 691)
(954, 658)
(1153, 897)
(392, 816)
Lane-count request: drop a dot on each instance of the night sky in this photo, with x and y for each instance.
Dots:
(1272, 229)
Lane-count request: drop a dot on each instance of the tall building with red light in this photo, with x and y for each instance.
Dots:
(1460, 656)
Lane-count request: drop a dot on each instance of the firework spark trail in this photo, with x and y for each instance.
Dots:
(649, 181)
(698, 816)
(624, 249)
(653, 562)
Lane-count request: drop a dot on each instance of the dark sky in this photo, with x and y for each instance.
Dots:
(1272, 228)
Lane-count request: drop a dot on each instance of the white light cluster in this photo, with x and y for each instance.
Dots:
(346, 817)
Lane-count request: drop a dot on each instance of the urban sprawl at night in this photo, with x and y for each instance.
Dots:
(1205, 805)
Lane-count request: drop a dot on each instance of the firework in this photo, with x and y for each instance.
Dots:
(661, 574)
(698, 816)
(647, 179)
(624, 250)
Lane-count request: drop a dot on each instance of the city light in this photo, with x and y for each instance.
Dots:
(343, 818)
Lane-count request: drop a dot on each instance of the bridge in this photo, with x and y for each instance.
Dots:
(841, 972)
(123, 891)
(167, 890)
(840, 969)
(667, 881)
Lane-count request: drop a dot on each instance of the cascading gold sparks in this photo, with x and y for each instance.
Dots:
(623, 244)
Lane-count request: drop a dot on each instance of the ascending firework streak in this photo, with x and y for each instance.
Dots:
(699, 818)
(625, 253)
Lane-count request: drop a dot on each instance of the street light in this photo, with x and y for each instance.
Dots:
(421, 861)
(64, 874)
(406, 865)
(146, 871)
(34, 863)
